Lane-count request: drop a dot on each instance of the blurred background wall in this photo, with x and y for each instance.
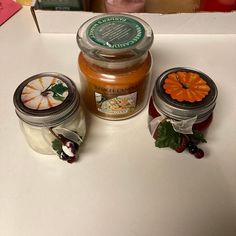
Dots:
(158, 6)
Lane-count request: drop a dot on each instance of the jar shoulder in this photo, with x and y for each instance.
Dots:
(92, 71)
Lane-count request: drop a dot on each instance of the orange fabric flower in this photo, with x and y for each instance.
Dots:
(186, 86)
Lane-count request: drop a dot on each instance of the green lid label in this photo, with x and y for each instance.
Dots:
(116, 32)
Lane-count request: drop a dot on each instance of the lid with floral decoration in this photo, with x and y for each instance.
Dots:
(46, 99)
(182, 93)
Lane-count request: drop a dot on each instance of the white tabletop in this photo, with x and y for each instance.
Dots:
(122, 185)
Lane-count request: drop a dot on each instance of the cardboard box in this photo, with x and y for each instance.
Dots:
(67, 5)
(51, 21)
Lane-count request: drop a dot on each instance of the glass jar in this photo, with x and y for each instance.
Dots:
(131, 6)
(51, 118)
(115, 65)
(185, 98)
(217, 5)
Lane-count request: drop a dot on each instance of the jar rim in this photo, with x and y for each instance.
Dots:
(184, 110)
(115, 37)
(51, 116)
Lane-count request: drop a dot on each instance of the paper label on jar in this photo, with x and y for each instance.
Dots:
(44, 93)
(116, 32)
(117, 105)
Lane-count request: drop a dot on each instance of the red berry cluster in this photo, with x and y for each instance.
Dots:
(191, 146)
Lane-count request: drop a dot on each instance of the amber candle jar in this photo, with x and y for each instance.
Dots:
(115, 65)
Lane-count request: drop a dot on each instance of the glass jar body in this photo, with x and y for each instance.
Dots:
(118, 93)
(40, 138)
(197, 126)
(217, 5)
(131, 6)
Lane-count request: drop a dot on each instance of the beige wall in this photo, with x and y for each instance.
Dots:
(161, 6)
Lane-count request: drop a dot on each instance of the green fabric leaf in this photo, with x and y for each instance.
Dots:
(58, 88)
(58, 97)
(197, 136)
(57, 146)
(167, 136)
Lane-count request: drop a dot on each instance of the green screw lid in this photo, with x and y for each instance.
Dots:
(108, 36)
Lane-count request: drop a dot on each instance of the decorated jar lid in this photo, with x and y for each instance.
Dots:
(105, 37)
(46, 99)
(183, 93)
